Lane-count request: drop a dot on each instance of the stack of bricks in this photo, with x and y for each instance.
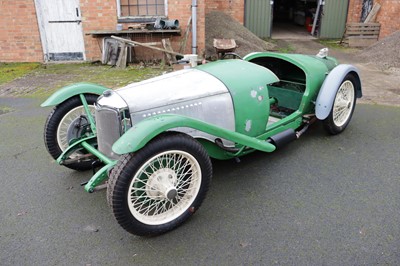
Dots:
(19, 32)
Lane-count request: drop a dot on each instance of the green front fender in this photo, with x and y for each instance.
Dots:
(72, 90)
(140, 134)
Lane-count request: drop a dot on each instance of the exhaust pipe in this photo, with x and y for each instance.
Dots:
(283, 138)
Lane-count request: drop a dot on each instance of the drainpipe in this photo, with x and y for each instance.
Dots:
(194, 26)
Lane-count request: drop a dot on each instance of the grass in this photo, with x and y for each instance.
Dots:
(44, 79)
(5, 109)
(334, 44)
(11, 71)
(286, 49)
(282, 46)
(101, 74)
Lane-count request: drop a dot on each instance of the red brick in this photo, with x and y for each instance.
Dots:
(388, 15)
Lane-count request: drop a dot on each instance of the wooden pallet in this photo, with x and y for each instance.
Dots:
(362, 34)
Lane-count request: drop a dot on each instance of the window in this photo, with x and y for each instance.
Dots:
(141, 8)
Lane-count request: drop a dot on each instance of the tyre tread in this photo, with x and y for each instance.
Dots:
(119, 181)
(52, 122)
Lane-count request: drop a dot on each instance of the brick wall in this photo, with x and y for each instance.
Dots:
(19, 33)
(388, 15)
(181, 10)
(102, 15)
(20, 37)
(234, 8)
(97, 15)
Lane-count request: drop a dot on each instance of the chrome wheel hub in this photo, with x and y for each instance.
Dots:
(161, 184)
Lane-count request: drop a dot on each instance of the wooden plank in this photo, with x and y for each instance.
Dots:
(362, 34)
(363, 24)
(167, 46)
(185, 38)
(361, 27)
(361, 42)
(363, 37)
(121, 63)
(372, 15)
(148, 43)
(355, 32)
(118, 32)
(145, 45)
(360, 31)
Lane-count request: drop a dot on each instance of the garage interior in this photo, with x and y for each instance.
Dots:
(293, 19)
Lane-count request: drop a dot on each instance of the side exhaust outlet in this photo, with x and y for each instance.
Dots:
(283, 138)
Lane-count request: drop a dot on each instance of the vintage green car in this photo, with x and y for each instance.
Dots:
(151, 142)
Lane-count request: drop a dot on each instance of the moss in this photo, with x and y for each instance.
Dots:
(46, 79)
(11, 71)
(282, 46)
(286, 49)
(5, 109)
(335, 45)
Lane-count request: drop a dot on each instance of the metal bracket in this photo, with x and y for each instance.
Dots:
(99, 177)
(66, 21)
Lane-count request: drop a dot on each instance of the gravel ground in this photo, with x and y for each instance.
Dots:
(379, 64)
(385, 53)
(223, 26)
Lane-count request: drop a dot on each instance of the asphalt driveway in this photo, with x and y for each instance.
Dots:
(321, 200)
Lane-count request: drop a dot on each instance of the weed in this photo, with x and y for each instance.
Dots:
(335, 44)
(5, 109)
(286, 49)
(11, 71)
(47, 78)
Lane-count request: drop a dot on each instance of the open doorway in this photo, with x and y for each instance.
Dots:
(293, 19)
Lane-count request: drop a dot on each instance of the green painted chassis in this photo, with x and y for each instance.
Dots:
(147, 129)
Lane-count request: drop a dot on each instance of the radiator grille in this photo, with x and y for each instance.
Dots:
(108, 127)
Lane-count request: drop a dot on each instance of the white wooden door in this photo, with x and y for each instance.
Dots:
(60, 29)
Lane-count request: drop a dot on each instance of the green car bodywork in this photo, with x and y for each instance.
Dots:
(73, 90)
(253, 88)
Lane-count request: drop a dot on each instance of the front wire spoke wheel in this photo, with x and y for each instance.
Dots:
(73, 125)
(169, 181)
(66, 122)
(161, 185)
(343, 106)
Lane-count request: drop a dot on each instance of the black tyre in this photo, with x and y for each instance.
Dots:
(343, 106)
(160, 186)
(67, 121)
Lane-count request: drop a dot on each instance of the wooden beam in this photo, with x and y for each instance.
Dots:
(372, 14)
(121, 63)
(167, 46)
(145, 45)
(185, 38)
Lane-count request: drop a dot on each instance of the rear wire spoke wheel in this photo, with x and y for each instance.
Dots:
(343, 106)
(160, 186)
(66, 122)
